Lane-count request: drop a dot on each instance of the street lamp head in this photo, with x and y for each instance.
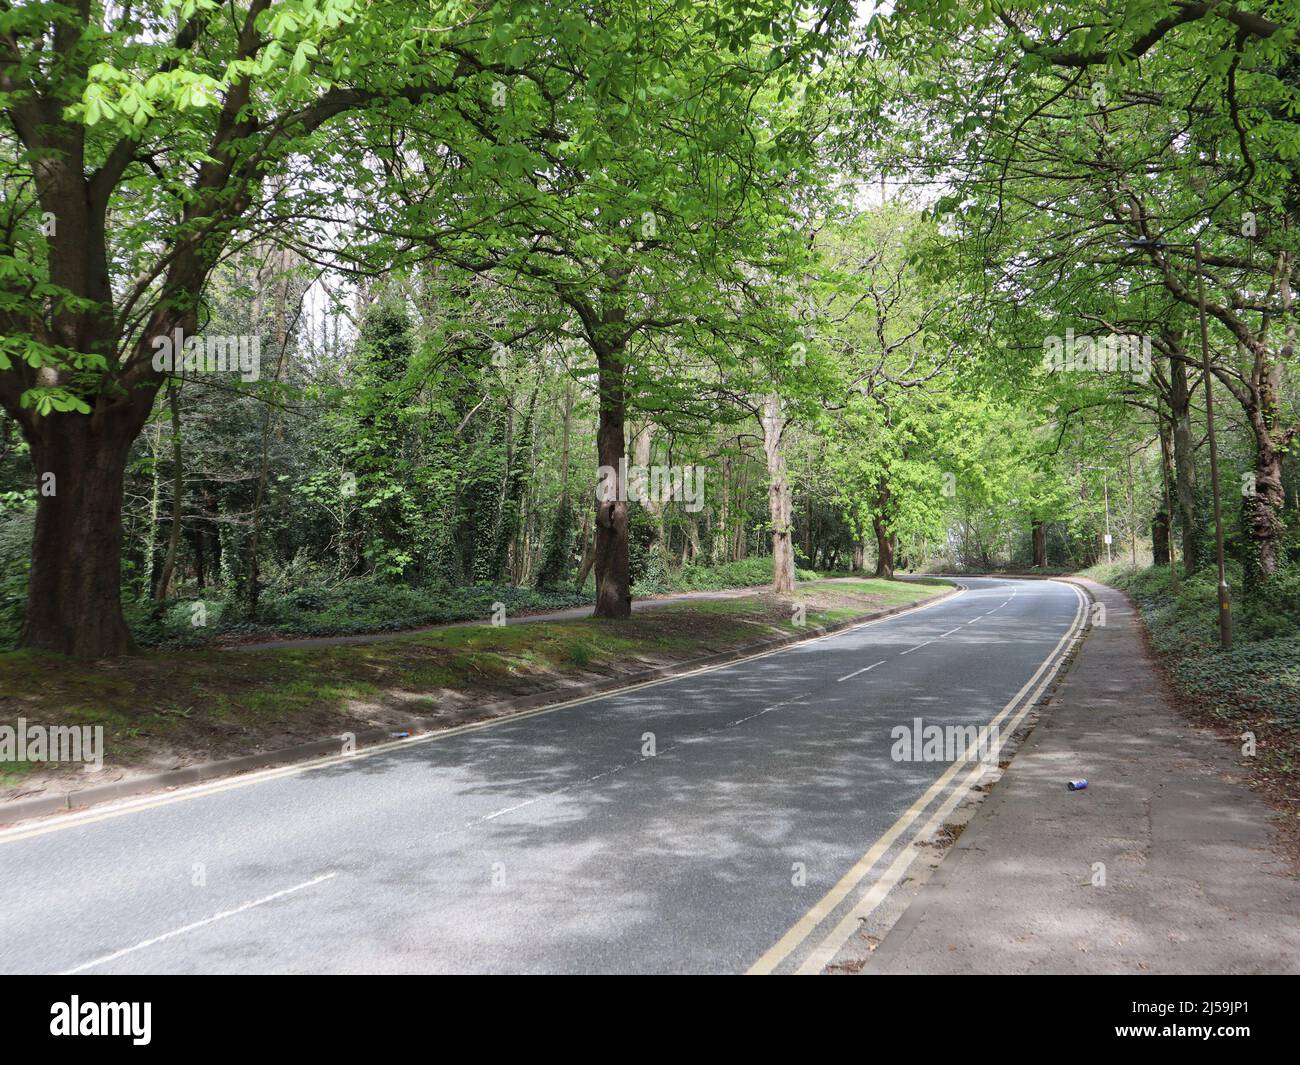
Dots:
(1143, 242)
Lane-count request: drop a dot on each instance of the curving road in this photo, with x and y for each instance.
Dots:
(771, 815)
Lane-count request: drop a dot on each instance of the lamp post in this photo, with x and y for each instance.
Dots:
(1225, 603)
(1105, 491)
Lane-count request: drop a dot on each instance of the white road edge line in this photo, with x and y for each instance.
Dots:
(197, 924)
(864, 669)
(103, 812)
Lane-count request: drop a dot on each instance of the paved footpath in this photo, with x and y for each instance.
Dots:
(1192, 884)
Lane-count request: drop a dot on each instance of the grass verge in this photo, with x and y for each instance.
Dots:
(1253, 688)
(166, 709)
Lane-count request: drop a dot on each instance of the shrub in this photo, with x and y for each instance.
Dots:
(15, 561)
(746, 573)
(358, 605)
(1262, 671)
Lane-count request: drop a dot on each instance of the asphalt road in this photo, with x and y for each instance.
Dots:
(771, 812)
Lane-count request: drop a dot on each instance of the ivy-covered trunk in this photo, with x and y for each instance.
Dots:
(518, 456)
(1265, 499)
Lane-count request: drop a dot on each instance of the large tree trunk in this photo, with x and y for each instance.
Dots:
(884, 539)
(1040, 545)
(74, 604)
(779, 497)
(884, 548)
(613, 581)
(1264, 506)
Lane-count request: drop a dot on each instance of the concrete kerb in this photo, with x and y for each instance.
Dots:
(328, 748)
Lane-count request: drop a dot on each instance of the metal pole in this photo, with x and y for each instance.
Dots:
(1105, 491)
(1225, 605)
(1166, 468)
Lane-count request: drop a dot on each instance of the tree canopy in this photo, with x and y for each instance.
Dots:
(301, 295)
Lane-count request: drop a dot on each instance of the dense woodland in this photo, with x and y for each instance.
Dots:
(862, 275)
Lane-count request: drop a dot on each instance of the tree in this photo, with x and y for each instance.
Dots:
(168, 118)
(631, 194)
(1058, 140)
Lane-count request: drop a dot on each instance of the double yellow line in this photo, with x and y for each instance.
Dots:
(826, 949)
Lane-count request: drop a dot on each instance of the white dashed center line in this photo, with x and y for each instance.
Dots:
(856, 672)
(199, 924)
